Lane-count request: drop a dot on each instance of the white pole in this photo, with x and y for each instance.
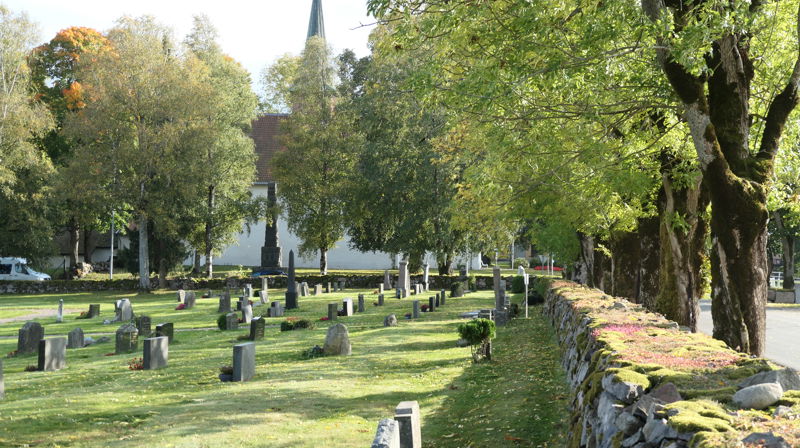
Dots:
(111, 263)
(526, 293)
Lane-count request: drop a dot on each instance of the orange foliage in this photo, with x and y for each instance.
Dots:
(74, 96)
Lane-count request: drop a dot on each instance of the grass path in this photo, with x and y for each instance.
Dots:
(517, 400)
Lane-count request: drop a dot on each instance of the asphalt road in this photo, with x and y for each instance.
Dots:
(783, 332)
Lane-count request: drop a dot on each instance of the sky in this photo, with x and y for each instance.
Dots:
(254, 33)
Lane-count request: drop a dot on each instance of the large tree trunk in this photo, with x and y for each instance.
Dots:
(144, 259)
(196, 263)
(787, 244)
(162, 264)
(88, 246)
(649, 261)
(208, 240)
(323, 261)
(625, 263)
(584, 267)
(74, 245)
(603, 269)
(682, 238)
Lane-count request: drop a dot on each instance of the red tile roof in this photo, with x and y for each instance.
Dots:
(266, 130)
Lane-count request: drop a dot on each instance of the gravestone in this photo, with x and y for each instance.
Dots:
(52, 354)
(347, 307)
(156, 353)
(404, 292)
(387, 280)
(181, 296)
(407, 415)
(29, 336)
(249, 290)
(398, 293)
(425, 275)
(361, 303)
(306, 289)
(264, 284)
(224, 304)
(244, 361)
(257, 326)
(443, 294)
(75, 338)
(60, 313)
(387, 435)
(94, 310)
(231, 321)
(438, 304)
(498, 298)
(380, 288)
(431, 304)
(166, 330)
(263, 296)
(415, 309)
(247, 313)
(276, 310)
(486, 314)
(190, 300)
(239, 303)
(317, 290)
(328, 288)
(291, 294)
(144, 325)
(124, 311)
(333, 311)
(380, 299)
(301, 288)
(337, 341)
(127, 339)
(390, 321)
(404, 281)
(2, 383)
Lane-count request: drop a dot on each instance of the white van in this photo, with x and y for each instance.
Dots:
(17, 269)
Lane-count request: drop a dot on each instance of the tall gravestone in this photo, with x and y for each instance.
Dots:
(415, 309)
(75, 338)
(442, 296)
(317, 290)
(145, 325)
(264, 284)
(431, 304)
(247, 312)
(60, 313)
(381, 299)
(404, 280)
(190, 300)
(347, 307)
(380, 288)
(156, 353)
(498, 294)
(271, 251)
(291, 293)
(387, 280)
(244, 361)
(181, 295)
(166, 330)
(425, 276)
(257, 327)
(333, 311)
(361, 303)
(124, 310)
(94, 310)
(127, 339)
(407, 415)
(263, 297)
(52, 354)
(224, 304)
(29, 336)
(231, 321)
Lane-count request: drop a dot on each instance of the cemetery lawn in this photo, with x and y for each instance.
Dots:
(519, 399)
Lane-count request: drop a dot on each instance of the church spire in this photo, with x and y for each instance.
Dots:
(316, 23)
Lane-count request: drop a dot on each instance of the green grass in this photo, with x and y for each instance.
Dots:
(517, 400)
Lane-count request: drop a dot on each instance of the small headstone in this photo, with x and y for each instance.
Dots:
(264, 283)
(390, 321)
(263, 297)
(387, 280)
(144, 325)
(398, 293)
(244, 361)
(75, 338)
(257, 326)
(415, 309)
(431, 304)
(301, 289)
(124, 311)
(306, 289)
(94, 310)
(291, 294)
(387, 434)
(247, 313)
(239, 303)
(380, 299)
(249, 288)
(190, 300)
(156, 353)
(438, 304)
(333, 311)
(52, 354)
(317, 290)
(407, 415)
(404, 281)
(361, 303)
(231, 321)
(380, 288)
(224, 304)
(165, 330)
(337, 341)
(276, 310)
(347, 307)
(404, 292)
(127, 339)
(29, 336)
(181, 295)
(60, 313)
(442, 296)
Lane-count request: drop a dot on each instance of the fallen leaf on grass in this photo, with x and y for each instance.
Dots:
(449, 436)
(512, 438)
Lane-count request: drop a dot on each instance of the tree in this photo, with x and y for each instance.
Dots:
(276, 81)
(321, 143)
(228, 167)
(143, 102)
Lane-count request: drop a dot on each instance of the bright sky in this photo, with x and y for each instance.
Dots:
(252, 32)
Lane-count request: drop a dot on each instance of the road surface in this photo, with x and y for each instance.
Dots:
(783, 332)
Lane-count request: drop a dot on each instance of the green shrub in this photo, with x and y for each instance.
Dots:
(472, 283)
(457, 289)
(287, 325)
(221, 321)
(476, 331)
(518, 284)
(521, 262)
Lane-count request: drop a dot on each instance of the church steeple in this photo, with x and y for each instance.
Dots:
(316, 23)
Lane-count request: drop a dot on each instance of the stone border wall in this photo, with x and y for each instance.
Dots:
(351, 280)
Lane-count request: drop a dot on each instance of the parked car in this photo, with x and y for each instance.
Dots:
(12, 268)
